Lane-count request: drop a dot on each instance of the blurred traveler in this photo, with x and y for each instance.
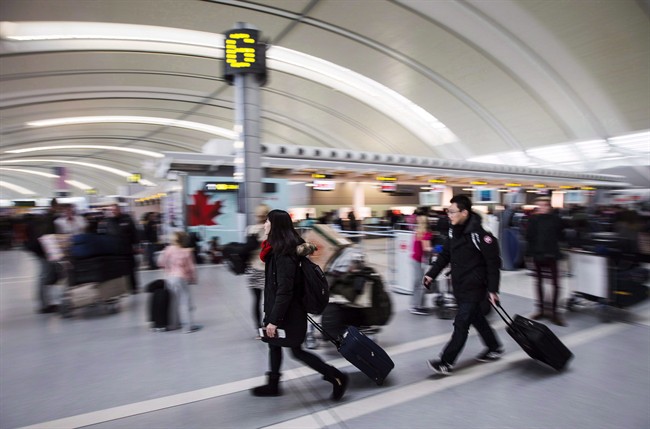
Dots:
(420, 253)
(307, 222)
(180, 273)
(215, 250)
(150, 239)
(122, 226)
(543, 235)
(193, 241)
(474, 257)
(37, 226)
(255, 271)
(70, 222)
(284, 312)
(353, 225)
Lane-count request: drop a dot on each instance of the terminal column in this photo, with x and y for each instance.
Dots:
(245, 68)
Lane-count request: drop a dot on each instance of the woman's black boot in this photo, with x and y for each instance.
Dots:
(339, 382)
(271, 388)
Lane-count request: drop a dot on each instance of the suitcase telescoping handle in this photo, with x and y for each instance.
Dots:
(501, 311)
(333, 340)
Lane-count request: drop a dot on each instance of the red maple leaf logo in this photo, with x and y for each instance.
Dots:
(202, 212)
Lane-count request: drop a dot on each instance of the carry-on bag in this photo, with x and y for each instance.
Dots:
(159, 308)
(361, 352)
(536, 339)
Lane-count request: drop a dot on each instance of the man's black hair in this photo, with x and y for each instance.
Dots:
(462, 202)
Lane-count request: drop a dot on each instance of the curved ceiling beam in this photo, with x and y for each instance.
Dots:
(112, 170)
(165, 144)
(100, 181)
(121, 93)
(441, 81)
(34, 37)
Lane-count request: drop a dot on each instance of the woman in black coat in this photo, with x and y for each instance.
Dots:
(283, 309)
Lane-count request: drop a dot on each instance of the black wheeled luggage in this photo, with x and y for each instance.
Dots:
(536, 339)
(361, 352)
(158, 303)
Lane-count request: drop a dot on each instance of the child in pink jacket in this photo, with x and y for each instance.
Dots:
(180, 270)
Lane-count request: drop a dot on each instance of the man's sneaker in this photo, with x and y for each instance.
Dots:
(489, 356)
(439, 367)
(419, 311)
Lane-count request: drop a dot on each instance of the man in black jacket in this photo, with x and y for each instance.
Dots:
(544, 234)
(474, 257)
(38, 226)
(122, 226)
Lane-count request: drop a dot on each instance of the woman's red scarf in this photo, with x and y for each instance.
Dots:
(266, 248)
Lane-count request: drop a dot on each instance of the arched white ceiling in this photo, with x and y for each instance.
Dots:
(505, 77)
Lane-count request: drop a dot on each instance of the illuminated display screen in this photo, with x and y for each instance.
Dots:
(220, 187)
(244, 53)
(324, 185)
(485, 195)
(388, 187)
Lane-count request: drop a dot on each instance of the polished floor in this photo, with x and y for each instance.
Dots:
(102, 370)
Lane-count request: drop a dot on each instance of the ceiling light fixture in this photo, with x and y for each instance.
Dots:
(16, 188)
(78, 185)
(165, 122)
(112, 170)
(75, 183)
(89, 146)
(37, 173)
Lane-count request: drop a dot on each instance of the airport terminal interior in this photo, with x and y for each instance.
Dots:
(199, 111)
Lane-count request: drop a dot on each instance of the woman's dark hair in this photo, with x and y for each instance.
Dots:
(283, 237)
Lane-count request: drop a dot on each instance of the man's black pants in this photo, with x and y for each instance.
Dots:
(469, 313)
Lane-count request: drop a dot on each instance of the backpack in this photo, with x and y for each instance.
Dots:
(316, 289)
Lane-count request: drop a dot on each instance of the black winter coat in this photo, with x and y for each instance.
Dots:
(544, 233)
(475, 261)
(283, 296)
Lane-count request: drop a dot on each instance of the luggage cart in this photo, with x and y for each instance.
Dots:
(338, 257)
(609, 280)
(99, 281)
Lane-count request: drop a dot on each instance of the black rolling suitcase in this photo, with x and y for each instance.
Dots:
(536, 339)
(361, 352)
(158, 304)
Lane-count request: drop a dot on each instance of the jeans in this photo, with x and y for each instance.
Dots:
(469, 313)
(418, 287)
(181, 307)
(47, 272)
(149, 251)
(540, 266)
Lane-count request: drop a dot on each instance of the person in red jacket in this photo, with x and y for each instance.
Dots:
(475, 262)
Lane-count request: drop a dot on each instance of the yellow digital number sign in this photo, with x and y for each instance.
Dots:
(240, 50)
(244, 53)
